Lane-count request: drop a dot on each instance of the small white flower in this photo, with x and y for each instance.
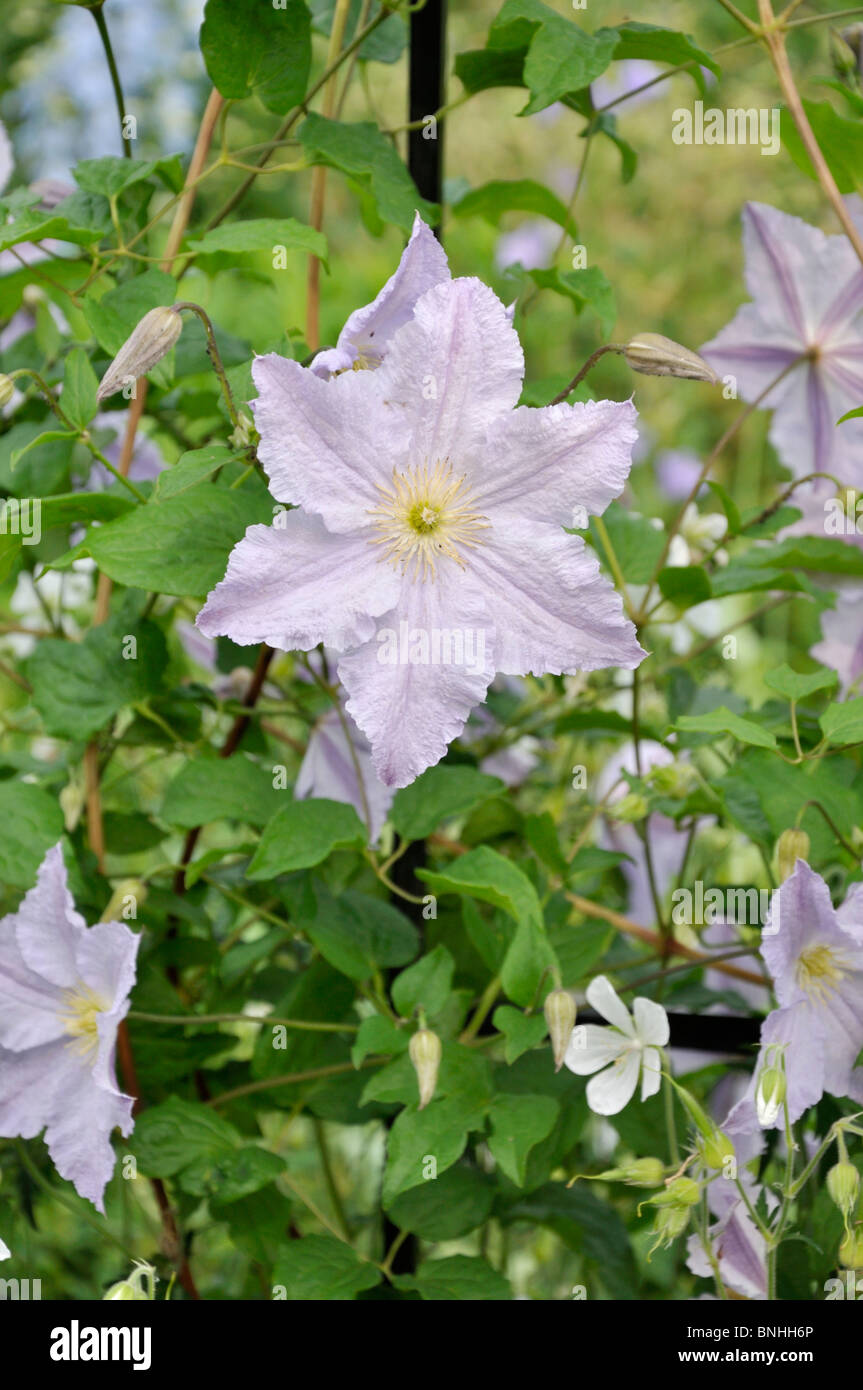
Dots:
(701, 530)
(631, 1045)
(5, 1252)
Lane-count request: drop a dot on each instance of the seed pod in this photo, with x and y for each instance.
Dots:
(560, 1012)
(424, 1051)
(641, 1172)
(791, 846)
(7, 389)
(655, 355)
(146, 345)
(681, 1193)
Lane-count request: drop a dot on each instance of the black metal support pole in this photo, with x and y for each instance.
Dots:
(425, 97)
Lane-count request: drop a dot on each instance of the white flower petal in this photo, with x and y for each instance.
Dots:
(614, 1088)
(651, 1021)
(602, 996)
(651, 1072)
(591, 1047)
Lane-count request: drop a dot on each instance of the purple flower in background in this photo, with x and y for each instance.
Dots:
(737, 1243)
(428, 547)
(64, 990)
(624, 80)
(665, 838)
(807, 298)
(329, 770)
(7, 159)
(531, 245)
(841, 645)
(815, 955)
(677, 472)
(367, 332)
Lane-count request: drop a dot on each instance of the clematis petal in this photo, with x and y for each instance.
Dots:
(754, 351)
(602, 996)
(297, 584)
(29, 1004)
(451, 371)
(47, 925)
(552, 609)
(801, 917)
(544, 464)
(106, 954)
(367, 331)
(651, 1021)
(324, 449)
(784, 264)
(32, 1080)
(651, 1071)
(591, 1047)
(78, 1133)
(612, 1089)
(330, 771)
(408, 705)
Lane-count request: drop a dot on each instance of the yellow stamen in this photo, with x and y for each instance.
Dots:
(79, 1014)
(819, 970)
(427, 514)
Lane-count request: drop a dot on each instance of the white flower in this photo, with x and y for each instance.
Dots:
(5, 1252)
(631, 1045)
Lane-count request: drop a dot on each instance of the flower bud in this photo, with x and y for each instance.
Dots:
(641, 1172)
(631, 807)
(843, 56)
(424, 1051)
(669, 1223)
(147, 344)
(714, 1147)
(559, 1010)
(131, 1290)
(682, 1192)
(655, 355)
(843, 1184)
(769, 1095)
(791, 846)
(674, 780)
(7, 389)
(851, 1250)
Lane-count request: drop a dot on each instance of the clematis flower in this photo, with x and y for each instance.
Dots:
(737, 1243)
(841, 645)
(64, 990)
(365, 337)
(623, 838)
(807, 304)
(328, 770)
(816, 960)
(631, 1045)
(428, 547)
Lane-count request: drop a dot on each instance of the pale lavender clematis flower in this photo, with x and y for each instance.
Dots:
(737, 1243)
(841, 645)
(365, 337)
(7, 159)
(816, 960)
(666, 841)
(328, 770)
(807, 301)
(64, 990)
(428, 547)
(531, 245)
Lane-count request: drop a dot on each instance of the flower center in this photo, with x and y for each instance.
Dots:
(427, 514)
(79, 1014)
(819, 970)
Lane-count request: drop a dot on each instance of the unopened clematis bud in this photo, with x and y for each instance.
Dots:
(843, 1184)
(851, 1250)
(769, 1095)
(7, 389)
(147, 344)
(791, 846)
(559, 1010)
(132, 1290)
(424, 1050)
(655, 355)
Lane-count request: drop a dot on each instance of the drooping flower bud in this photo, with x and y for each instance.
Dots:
(682, 1192)
(629, 808)
(7, 389)
(673, 1209)
(146, 345)
(641, 1172)
(791, 846)
(851, 1250)
(769, 1095)
(714, 1147)
(424, 1051)
(655, 355)
(669, 1223)
(843, 1184)
(559, 1009)
(132, 1290)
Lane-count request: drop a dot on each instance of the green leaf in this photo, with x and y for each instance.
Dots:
(321, 1268)
(79, 686)
(31, 225)
(32, 823)
(658, 45)
(190, 469)
(252, 47)
(62, 510)
(843, 723)
(517, 1124)
(226, 1177)
(795, 685)
(439, 793)
(522, 1031)
(303, 834)
(587, 289)
(456, 1202)
(426, 984)
(113, 316)
(262, 234)
(685, 585)
(366, 156)
(840, 140)
(377, 1034)
(724, 721)
(170, 1136)
(825, 553)
(457, 1279)
(636, 543)
(111, 174)
(151, 547)
(494, 199)
(563, 58)
(850, 415)
(482, 68)
(386, 44)
(585, 1224)
(357, 934)
(210, 788)
(79, 389)
(37, 442)
(440, 1132)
